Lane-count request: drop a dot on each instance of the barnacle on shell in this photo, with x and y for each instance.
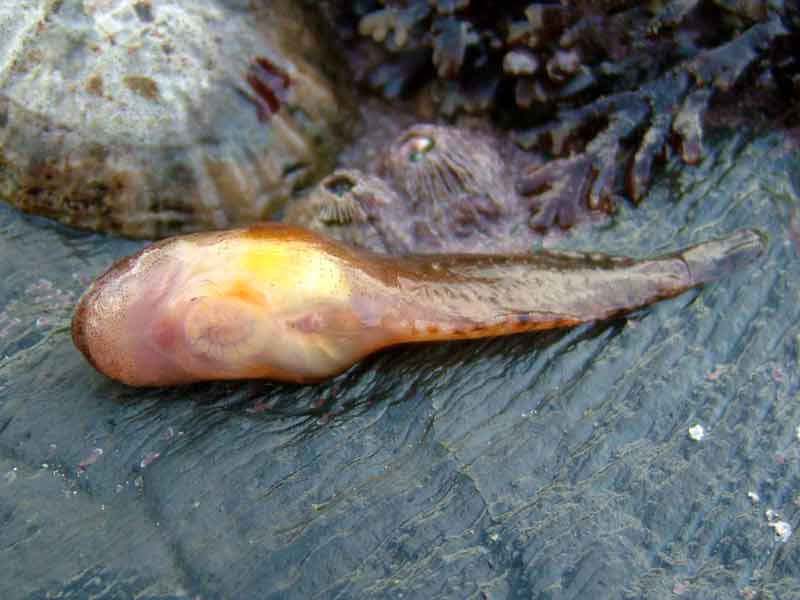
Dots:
(357, 208)
(348, 196)
(433, 165)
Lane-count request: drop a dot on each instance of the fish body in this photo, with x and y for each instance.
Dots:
(281, 302)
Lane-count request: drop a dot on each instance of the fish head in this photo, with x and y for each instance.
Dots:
(217, 306)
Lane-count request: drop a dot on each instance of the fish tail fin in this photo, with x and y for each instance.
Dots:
(710, 260)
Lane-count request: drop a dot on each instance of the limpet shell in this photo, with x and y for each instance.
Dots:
(149, 118)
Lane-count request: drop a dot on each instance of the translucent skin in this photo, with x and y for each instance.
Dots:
(281, 302)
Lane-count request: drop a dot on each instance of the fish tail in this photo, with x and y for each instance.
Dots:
(710, 260)
(471, 296)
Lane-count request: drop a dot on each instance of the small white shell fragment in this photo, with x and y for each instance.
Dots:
(11, 476)
(771, 515)
(697, 433)
(783, 531)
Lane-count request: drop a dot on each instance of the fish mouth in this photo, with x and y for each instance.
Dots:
(80, 335)
(79, 319)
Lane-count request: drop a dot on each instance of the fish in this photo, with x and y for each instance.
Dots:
(280, 302)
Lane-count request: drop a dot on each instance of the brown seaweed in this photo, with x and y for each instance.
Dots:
(611, 87)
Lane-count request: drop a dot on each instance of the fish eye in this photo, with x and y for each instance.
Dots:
(418, 146)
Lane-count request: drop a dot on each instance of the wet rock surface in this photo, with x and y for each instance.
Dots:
(546, 466)
(149, 119)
